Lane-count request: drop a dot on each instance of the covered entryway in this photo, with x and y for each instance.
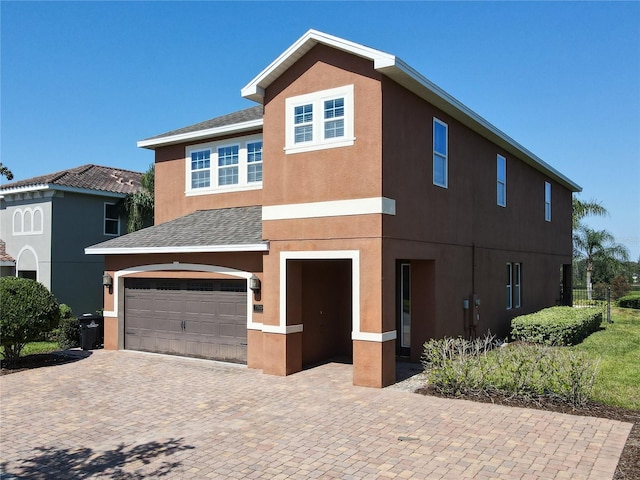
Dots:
(205, 318)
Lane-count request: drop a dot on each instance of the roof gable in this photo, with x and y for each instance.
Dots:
(403, 74)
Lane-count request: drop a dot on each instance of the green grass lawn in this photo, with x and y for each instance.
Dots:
(35, 347)
(618, 346)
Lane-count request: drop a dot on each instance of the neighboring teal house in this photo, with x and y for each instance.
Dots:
(47, 221)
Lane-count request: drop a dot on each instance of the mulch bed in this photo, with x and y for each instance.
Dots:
(629, 464)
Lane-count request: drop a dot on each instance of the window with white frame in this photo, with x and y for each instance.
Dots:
(227, 165)
(501, 175)
(440, 153)
(547, 201)
(514, 285)
(320, 120)
(254, 162)
(111, 219)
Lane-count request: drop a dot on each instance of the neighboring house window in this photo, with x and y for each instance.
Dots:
(28, 221)
(320, 120)
(514, 285)
(502, 181)
(111, 220)
(440, 153)
(254, 162)
(547, 201)
(228, 165)
(201, 169)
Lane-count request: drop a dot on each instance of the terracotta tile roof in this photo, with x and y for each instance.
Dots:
(91, 177)
(4, 256)
(203, 228)
(246, 115)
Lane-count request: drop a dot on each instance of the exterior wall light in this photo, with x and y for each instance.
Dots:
(254, 284)
(107, 281)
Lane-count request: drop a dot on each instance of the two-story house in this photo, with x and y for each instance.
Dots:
(355, 212)
(47, 221)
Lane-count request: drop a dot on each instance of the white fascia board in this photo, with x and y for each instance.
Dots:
(426, 89)
(333, 208)
(256, 247)
(62, 188)
(254, 90)
(200, 134)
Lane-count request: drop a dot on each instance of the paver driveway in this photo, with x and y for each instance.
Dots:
(131, 415)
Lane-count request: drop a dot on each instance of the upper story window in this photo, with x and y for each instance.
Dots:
(547, 201)
(320, 120)
(440, 153)
(227, 165)
(501, 168)
(111, 219)
(28, 221)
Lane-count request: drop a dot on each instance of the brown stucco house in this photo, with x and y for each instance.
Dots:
(356, 211)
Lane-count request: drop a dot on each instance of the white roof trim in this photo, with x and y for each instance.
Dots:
(255, 247)
(394, 68)
(200, 134)
(61, 188)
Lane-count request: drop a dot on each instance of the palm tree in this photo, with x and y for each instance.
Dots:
(139, 205)
(583, 209)
(5, 172)
(597, 246)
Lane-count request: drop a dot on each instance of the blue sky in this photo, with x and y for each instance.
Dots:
(82, 82)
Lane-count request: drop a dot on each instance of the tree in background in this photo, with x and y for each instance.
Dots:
(584, 209)
(28, 310)
(5, 172)
(597, 247)
(139, 206)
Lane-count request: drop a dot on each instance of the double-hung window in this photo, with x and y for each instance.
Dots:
(201, 168)
(440, 153)
(254, 162)
(227, 165)
(514, 285)
(320, 120)
(111, 219)
(501, 175)
(547, 201)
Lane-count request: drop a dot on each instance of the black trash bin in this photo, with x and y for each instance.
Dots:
(91, 331)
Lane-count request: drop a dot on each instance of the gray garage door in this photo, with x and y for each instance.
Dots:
(195, 318)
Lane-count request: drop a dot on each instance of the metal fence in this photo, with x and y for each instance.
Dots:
(597, 296)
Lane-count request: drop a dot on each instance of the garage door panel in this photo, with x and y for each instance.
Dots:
(184, 317)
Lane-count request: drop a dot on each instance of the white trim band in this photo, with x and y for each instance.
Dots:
(335, 208)
(253, 247)
(374, 337)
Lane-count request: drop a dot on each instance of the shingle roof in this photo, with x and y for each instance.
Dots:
(246, 115)
(203, 228)
(91, 177)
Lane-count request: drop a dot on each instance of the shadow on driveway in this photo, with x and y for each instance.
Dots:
(118, 463)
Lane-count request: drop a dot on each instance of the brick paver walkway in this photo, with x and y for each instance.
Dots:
(130, 415)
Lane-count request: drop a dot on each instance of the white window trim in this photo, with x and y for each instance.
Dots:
(446, 156)
(501, 181)
(517, 285)
(317, 99)
(213, 147)
(104, 221)
(510, 286)
(22, 212)
(547, 201)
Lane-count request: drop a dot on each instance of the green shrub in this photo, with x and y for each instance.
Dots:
(630, 301)
(557, 325)
(68, 333)
(457, 366)
(28, 310)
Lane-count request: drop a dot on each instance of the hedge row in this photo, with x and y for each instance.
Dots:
(630, 301)
(557, 325)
